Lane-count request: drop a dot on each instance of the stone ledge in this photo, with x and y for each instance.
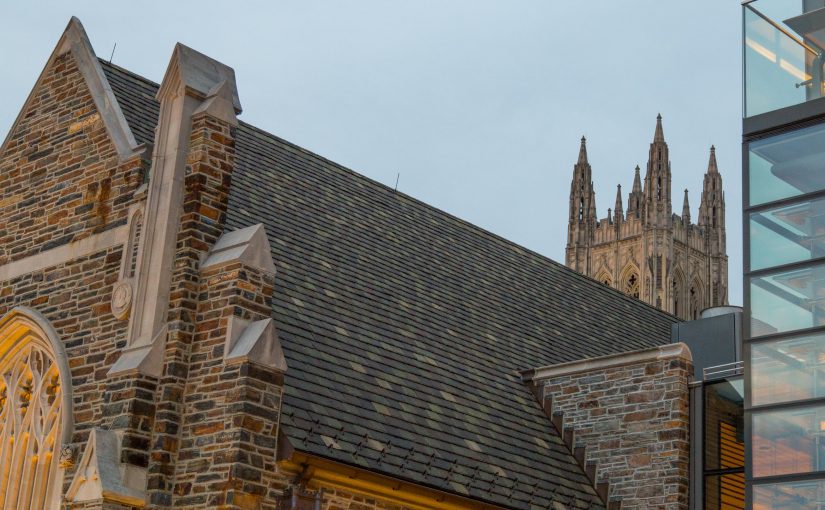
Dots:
(677, 350)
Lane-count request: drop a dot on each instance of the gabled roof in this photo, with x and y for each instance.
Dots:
(404, 327)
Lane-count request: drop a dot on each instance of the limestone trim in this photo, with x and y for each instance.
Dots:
(65, 253)
(677, 350)
(254, 342)
(35, 411)
(75, 40)
(190, 80)
(325, 473)
(248, 245)
(101, 476)
(123, 289)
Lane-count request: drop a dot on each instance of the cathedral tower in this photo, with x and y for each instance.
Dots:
(647, 251)
(582, 218)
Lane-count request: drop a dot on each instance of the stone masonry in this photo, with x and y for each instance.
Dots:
(161, 320)
(630, 413)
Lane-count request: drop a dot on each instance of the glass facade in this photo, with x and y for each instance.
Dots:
(784, 221)
(782, 54)
(723, 433)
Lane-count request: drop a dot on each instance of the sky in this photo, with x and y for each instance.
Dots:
(478, 105)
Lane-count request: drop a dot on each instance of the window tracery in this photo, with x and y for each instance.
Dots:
(631, 286)
(31, 421)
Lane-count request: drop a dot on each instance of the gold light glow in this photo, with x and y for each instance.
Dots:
(797, 72)
(758, 48)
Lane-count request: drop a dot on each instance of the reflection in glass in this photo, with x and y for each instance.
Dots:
(787, 370)
(787, 234)
(725, 492)
(787, 165)
(788, 301)
(724, 431)
(807, 495)
(788, 441)
(783, 43)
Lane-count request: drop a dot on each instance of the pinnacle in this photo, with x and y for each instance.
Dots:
(712, 167)
(659, 135)
(583, 151)
(637, 181)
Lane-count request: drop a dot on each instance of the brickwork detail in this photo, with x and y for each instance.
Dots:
(231, 410)
(633, 421)
(60, 177)
(61, 181)
(206, 191)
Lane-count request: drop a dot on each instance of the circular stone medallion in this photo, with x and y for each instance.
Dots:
(121, 300)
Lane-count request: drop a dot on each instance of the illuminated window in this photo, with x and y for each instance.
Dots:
(32, 417)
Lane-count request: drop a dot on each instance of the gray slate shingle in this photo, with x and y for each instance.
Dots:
(404, 327)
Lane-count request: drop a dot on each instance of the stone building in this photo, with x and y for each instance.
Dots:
(195, 313)
(647, 251)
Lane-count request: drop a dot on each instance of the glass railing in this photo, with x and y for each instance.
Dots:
(783, 53)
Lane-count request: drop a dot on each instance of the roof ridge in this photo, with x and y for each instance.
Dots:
(478, 228)
(371, 181)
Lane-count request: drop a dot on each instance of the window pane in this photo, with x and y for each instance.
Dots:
(724, 425)
(777, 67)
(787, 165)
(788, 441)
(791, 233)
(725, 492)
(789, 496)
(787, 370)
(787, 301)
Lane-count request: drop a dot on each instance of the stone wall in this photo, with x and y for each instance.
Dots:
(61, 178)
(62, 181)
(631, 413)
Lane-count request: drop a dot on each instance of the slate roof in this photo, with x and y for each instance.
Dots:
(404, 327)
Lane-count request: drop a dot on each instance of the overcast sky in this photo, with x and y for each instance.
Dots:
(478, 105)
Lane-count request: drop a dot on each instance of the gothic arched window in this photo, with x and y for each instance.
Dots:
(631, 286)
(33, 415)
(134, 243)
(695, 301)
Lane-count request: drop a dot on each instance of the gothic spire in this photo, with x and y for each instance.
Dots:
(659, 135)
(712, 168)
(686, 209)
(637, 181)
(583, 151)
(618, 198)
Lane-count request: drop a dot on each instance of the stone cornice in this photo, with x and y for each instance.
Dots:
(677, 350)
(65, 253)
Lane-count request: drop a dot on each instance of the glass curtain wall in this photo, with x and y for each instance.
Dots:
(784, 221)
(723, 433)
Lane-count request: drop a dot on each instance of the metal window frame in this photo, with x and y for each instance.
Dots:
(758, 127)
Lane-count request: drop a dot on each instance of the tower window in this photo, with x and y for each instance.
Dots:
(631, 286)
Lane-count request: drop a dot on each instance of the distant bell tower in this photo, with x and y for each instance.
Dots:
(712, 218)
(657, 181)
(582, 218)
(645, 250)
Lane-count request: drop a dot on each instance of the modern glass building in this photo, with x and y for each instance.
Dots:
(784, 225)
